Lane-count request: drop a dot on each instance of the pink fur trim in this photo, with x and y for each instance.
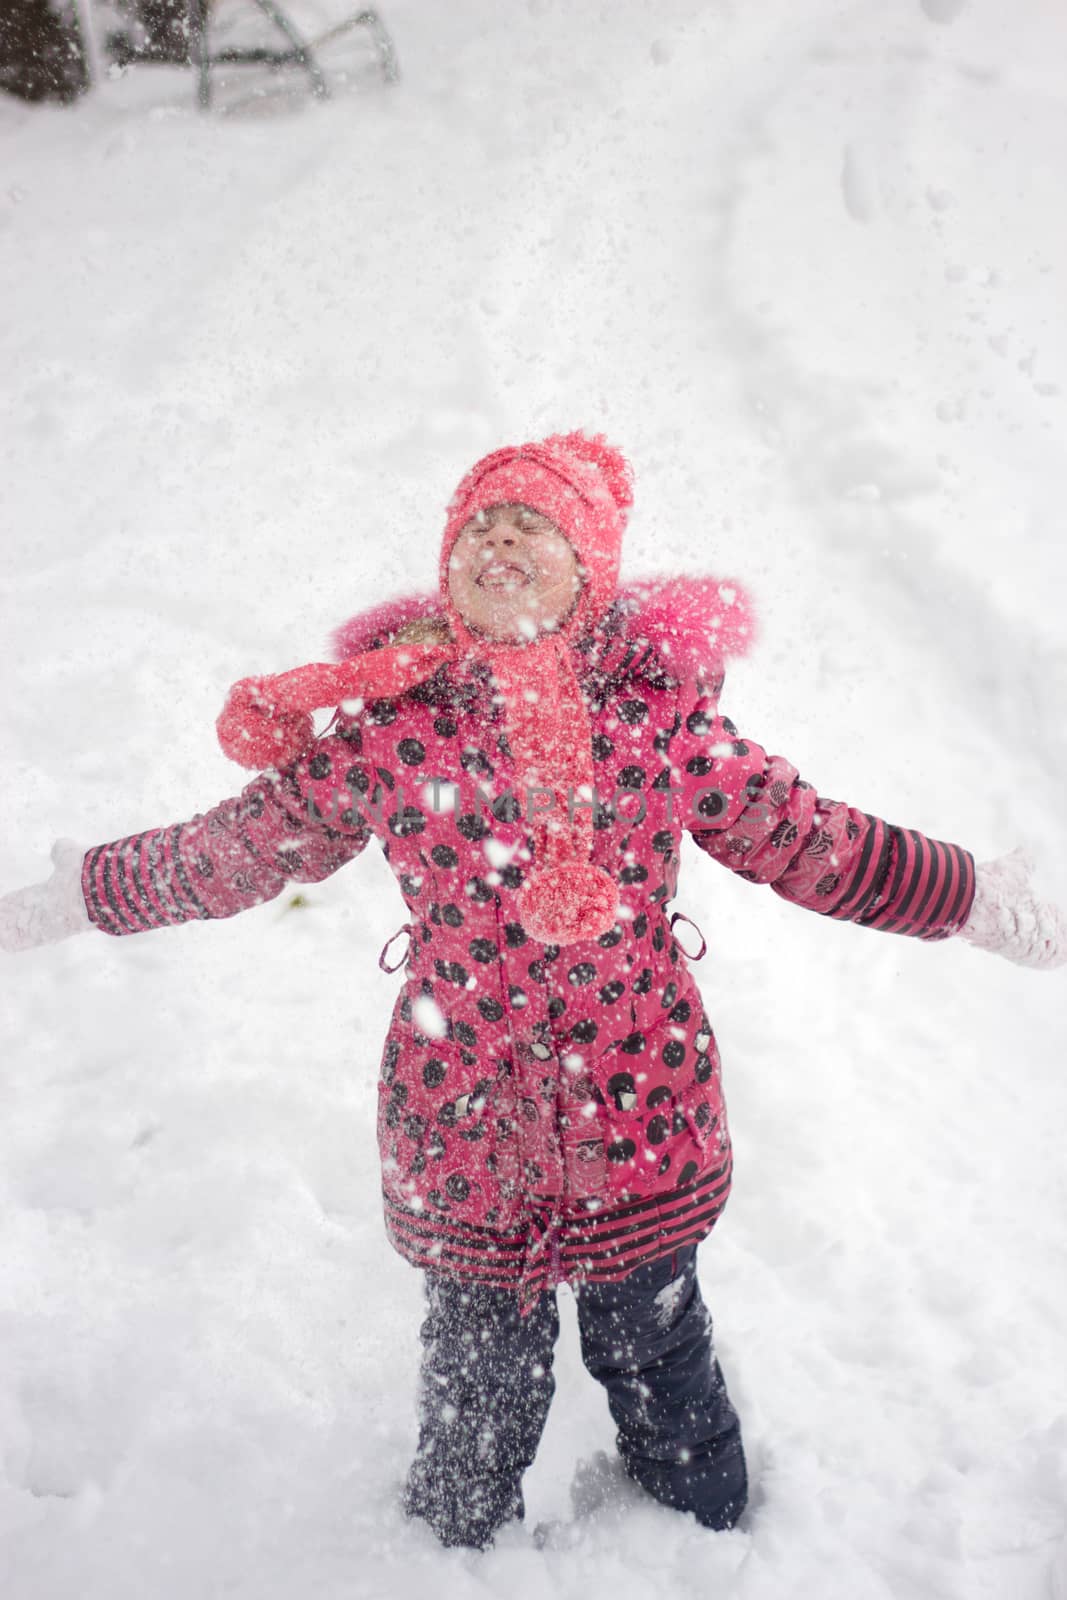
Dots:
(354, 636)
(690, 620)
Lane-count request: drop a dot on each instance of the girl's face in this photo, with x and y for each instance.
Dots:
(512, 574)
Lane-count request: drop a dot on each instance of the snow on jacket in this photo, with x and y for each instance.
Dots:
(544, 1112)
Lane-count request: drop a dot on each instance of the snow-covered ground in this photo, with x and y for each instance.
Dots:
(808, 265)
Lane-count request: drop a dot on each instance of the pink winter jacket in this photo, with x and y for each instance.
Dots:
(544, 1112)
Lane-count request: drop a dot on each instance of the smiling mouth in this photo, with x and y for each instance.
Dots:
(502, 576)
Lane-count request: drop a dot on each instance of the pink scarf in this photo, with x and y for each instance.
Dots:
(267, 722)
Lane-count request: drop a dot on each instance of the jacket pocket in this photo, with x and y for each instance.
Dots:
(444, 1134)
(652, 1150)
(701, 1106)
(662, 1126)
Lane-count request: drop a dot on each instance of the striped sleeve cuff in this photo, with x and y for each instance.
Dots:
(139, 883)
(909, 884)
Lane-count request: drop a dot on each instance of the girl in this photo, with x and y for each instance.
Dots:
(528, 746)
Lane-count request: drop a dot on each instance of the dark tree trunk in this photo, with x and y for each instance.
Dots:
(166, 22)
(42, 56)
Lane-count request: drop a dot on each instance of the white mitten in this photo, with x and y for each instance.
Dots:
(45, 912)
(1008, 919)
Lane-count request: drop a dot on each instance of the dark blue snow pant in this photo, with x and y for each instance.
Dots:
(486, 1385)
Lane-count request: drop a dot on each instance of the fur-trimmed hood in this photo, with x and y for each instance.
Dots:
(691, 622)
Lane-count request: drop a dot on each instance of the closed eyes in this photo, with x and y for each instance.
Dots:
(526, 522)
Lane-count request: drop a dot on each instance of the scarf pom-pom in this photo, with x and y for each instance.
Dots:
(563, 905)
(255, 732)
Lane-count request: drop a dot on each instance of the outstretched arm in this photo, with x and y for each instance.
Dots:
(755, 814)
(239, 854)
(828, 857)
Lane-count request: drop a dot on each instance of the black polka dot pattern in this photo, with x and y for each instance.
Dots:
(632, 711)
(582, 973)
(603, 1033)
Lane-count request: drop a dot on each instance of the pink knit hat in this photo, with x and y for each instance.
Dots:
(584, 486)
